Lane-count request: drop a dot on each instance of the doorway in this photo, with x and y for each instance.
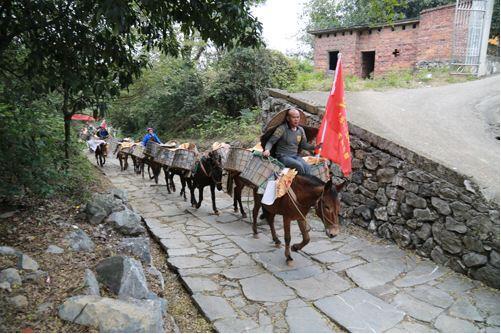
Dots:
(368, 59)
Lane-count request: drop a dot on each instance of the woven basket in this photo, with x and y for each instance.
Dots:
(112, 144)
(184, 159)
(223, 152)
(152, 149)
(237, 159)
(321, 171)
(258, 170)
(138, 151)
(127, 150)
(165, 157)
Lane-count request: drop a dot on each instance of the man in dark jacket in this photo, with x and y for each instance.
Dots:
(289, 137)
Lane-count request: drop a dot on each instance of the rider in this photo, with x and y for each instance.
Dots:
(102, 133)
(151, 135)
(289, 137)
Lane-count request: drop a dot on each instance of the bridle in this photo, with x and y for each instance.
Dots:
(319, 202)
(210, 174)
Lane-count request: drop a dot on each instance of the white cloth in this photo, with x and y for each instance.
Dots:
(94, 143)
(270, 193)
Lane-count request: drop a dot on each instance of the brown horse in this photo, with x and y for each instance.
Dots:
(122, 157)
(100, 154)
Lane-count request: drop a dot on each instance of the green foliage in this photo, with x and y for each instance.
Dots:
(217, 125)
(308, 78)
(240, 77)
(32, 156)
(495, 20)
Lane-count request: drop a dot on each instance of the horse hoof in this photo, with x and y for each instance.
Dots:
(278, 245)
(244, 215)
(294, 248)
(290, 262)
(256, 236)
(235, 209)
(216, 213)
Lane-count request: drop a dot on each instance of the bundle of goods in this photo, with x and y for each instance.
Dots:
(259, 169)
(185, 156)
(319, 167)
(237, 159)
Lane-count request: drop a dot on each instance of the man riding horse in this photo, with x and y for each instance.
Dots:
(286, 141)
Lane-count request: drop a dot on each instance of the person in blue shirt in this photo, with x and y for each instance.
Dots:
(151, 135)
(102, 133)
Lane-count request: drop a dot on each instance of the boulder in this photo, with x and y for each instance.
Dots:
(10, 275)
(19, 301)
(452, 225)
(139, 247)
(120, 194)
(25, 262)
(126, 222)
(124, 276)
(385, 175)
(415, 201)
(112, 315)
(381, 213)
(424, 232)
(449, 241)
(5, 286)
(423, 214)
(54, 249)
(79, 241)
(100, 206)
(91, 284)
(6, 250)
(487, 274)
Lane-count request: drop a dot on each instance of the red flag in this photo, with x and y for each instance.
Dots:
(333, 133)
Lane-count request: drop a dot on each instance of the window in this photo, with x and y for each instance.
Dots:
(333, 60)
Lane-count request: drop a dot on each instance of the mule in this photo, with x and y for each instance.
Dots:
(209, 172)
(100, 154)
(154, 169)
(122, 158)
(169, 173)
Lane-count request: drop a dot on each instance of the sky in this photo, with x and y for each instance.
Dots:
(281, 25)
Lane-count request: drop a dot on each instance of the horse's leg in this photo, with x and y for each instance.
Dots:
(149, 173)
(166, 174)
(213, 196)
(126, 164)
(255, 211)
(270, 218)
(238, 199)
(287, 237)
(303, 227)
(183, 187)
(200, 196)
(104, 160)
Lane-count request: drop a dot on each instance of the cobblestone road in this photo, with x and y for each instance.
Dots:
(243, 284)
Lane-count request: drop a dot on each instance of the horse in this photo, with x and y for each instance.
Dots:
(234, 177)
(122, 157)
(305, 192)
(169, 173)
(209, 172)
(100, 154)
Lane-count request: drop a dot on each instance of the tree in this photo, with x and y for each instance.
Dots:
(86, 50)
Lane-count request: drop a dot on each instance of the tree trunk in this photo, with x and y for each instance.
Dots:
(67, 123)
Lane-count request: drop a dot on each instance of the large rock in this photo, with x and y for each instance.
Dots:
(19, 301)
(124, 276)
(10, 275)
(6, 250)
(487, 274)
(100, 206)
(91, 284)
(441, 206)
(126, 222)
(25, 262)
(415, 201)
(474, 259)
(452, 225)
(112, 315)
(139, 247)
(449, 241)
(79, 241)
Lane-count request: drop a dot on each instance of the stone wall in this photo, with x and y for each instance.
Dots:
(421, 205)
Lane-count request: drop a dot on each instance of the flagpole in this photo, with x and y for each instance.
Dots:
(331, 92)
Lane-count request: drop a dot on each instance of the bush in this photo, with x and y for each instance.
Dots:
(32, 154)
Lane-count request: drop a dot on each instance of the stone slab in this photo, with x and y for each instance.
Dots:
(319, 286)
(214, 307)
(455, 284)
(374, 253)
(447, 324)
(358, 311)
(415, 308)
(275, 261)
(184, 262)
(242, 272)
(251, 245)
(299, 273)
(302, 318)
(320, 246)
(373, 274)
(226, 252)
(331, 256)
(411, 327)
(463, 309)
(231, 325)
(340, 266)
(423, 273)
(199, 284)
(266, 288)
(182, 251)
(431, 295)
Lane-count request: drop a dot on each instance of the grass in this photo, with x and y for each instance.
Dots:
(408, 78)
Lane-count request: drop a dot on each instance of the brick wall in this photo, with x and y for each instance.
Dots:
(435, 34)
(430, 39)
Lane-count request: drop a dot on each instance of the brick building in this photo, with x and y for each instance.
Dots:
(380, 48)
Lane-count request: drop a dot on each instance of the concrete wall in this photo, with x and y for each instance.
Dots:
(418, 203)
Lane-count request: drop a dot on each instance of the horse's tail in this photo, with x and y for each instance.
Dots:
(229, 184)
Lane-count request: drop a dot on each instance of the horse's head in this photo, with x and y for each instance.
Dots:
(329, 207)
(216, 166)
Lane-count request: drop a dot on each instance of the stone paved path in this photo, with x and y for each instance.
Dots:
(242, 284)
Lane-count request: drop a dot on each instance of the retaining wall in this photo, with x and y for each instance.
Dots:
(418, 203)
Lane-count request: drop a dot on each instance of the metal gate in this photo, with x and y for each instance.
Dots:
(467, 35)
